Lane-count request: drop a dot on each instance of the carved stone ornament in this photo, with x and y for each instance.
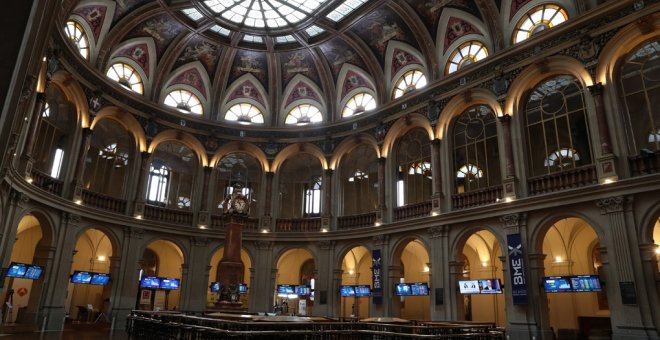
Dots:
(199, 241)
(137, 233)
(611, 204)
(263, 245)
(19, 198)
(438, 231)
(380, 239)
(511, 220)
(28, 88)
(72, 218)
(326, 245)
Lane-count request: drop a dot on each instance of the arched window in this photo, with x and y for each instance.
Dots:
(358, 104)
(557, 128)
(245, 114)
(313, 197)
(410, 81)
(358, 172)
(640, 88)
(303, 114)
(538, 19)
(127, 76)
(466, 54)
(237, 170)
(185, 101)
(414, 173)
(159, 179)
(75, 33)
(476, 155)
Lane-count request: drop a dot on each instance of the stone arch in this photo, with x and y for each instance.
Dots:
(344, 92)
(109, 233)
(458, 242)
(235, 95)
(179, 246)
(46, 223)
(184, 138)
(294, 149)
(146, 75)
(418, 64)
(347, 145)
(509, 20)
(75, 94)
(401, 127)
(483, 34)
(540, 230)
(341, 253)
(459, 103)
(240, 147)
(200, 88)
(127, 121)
(95, 43)
(288, 92)
(647, 225)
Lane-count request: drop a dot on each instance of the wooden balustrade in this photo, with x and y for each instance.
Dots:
(412, 211)
(105, 202)
(298, 224)
(168, 215)
(646, 164)
(46, 182)
(476, 198)
(567, 179)
(249, 223)
(356, 221)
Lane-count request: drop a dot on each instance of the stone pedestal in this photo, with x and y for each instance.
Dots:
(231, 268)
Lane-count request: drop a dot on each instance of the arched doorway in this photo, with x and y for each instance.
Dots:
(572, 248)
(656, 240)
(32, 247)
(356, 270)
(296, 267)
(86, 301)
(412, 257)
(163, 259)
(214, 276)
(480, 258)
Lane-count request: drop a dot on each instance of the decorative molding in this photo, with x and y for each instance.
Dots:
(513, 222)
(438, 231)
(199, 241)
(326, 245)
(380, 239)
(611, 204)
(263, 245)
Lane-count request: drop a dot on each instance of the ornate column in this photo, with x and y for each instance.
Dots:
(266, 219)
(326, 283)
(509, 180)
(203, 216)
(538, 320)
(263, 285)
(327, 199)
(79, 172)
(25, 166)
(143, 174)
(439, 272)
(437, 176)
(195, 287)
(382, 206)
(457, 305)
(125, 284)
(606, 168)
(43, 256)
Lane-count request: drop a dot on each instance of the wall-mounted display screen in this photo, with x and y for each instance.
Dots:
(346, 291)
(81, 277)
(403, 289)
(169, 283)
(304, 290)
(16, 270)
(419, 289)
(490, 286)
(34, 272)
(150, 282)
(242, 288)
(574, 283)
(557, 284)
(285, 289)
(100, 279)
(362, 291)
(469, 287)
(215, 287)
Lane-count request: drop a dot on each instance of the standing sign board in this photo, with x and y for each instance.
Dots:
(517, 269)
(302, 307)
(377, 278)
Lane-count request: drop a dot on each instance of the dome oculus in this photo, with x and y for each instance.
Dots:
(264, 13)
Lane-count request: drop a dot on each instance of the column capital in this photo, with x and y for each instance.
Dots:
(382, 160)
(380, 239)
(326, 245)
(611, 204)
(435, 142)
(438, 231)
(145, 155)
(270, 174)
(505, 118)
(199, 241)
(596, 89)
(263, 245)
(513, 222)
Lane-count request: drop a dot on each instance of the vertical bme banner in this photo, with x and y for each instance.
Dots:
(518, 283)
(377, 278)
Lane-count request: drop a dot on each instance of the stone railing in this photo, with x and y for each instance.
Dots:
(559, 181)
(356, 221)
(476, 198)
(298, 224)
(168, 215)
(104, 202)
(412, 211)
(646, 164)
(46, 182)
(249, 223)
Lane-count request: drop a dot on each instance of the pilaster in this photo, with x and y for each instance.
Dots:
(438, 270)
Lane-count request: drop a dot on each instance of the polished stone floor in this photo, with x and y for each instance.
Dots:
(71, 334)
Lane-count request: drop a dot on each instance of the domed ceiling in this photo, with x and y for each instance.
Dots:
(276, 54)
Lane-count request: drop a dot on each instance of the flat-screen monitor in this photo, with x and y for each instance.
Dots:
(215, 287)
(285, 289)
(557, 284)
(362, 291)
(469, 287)
(403, 289)
(419, 289)
(169, 283)
(303, 290)
(81, 277)
(100, 279)
(345, 291)
(586, 283)
(490, 286)
(33, 272)
(150, 282)
(242, 288)
(16, 270)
